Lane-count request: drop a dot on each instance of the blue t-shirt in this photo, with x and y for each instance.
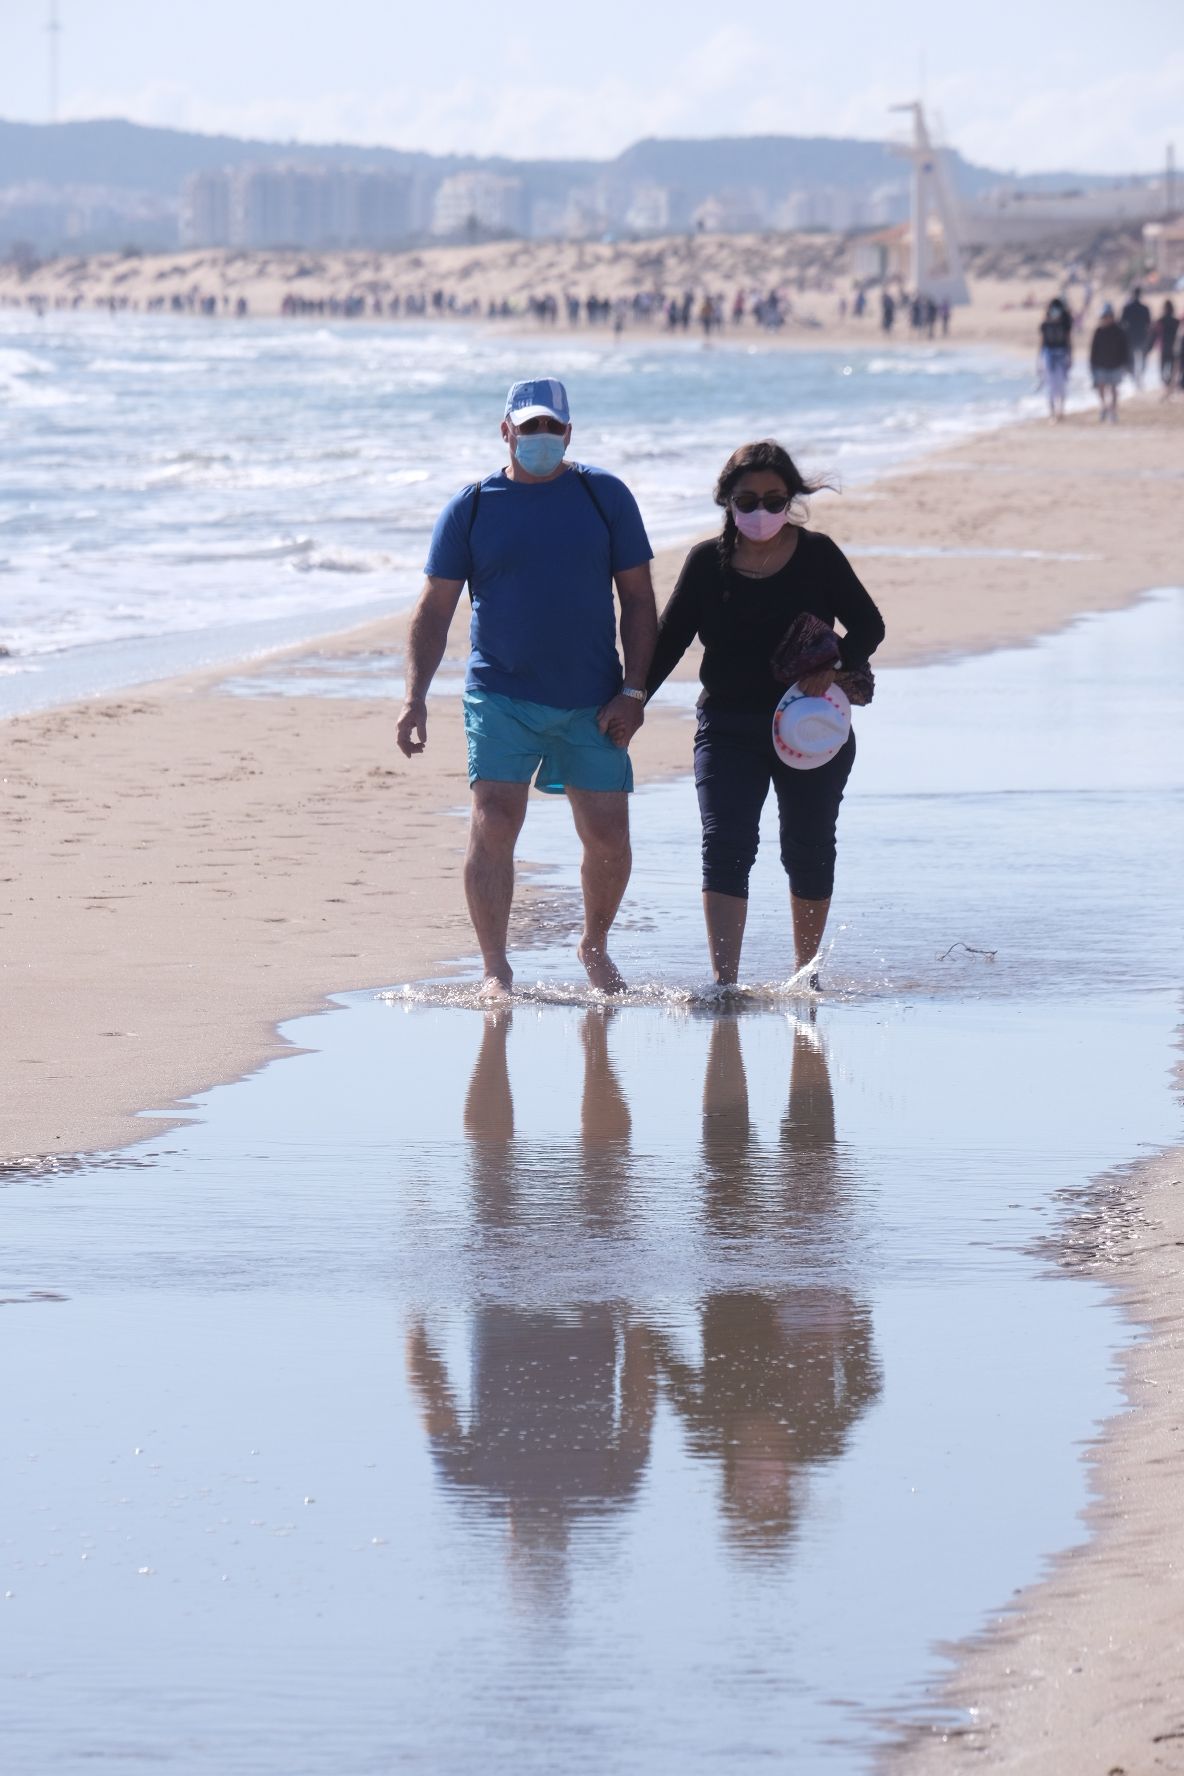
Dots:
(540, 561)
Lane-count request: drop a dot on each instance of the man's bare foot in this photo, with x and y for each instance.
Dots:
(600, 968)
(497, 988)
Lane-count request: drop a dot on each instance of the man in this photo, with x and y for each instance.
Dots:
(541, 544)
(1135, 321)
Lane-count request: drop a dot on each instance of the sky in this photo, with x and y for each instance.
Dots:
(1094, 86)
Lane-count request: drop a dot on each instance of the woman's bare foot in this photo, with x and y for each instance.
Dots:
(600, 968)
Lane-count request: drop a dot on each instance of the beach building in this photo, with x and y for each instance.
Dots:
(882, 257)
(1163, 248)
(478, 201)
(1007, 217)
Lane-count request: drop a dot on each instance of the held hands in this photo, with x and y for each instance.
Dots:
(411, 735)
(620, 719)
(817, 684)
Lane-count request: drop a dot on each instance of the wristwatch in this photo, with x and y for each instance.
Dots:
(638, 696)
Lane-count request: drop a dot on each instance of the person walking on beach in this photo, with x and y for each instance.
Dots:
(1135, 321)
(541, 544)
(1109, 361)
(1056, 355)
(1164, 334)
(739, 593)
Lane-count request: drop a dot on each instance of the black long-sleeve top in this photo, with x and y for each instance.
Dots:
(740, 619)
(1110, 348)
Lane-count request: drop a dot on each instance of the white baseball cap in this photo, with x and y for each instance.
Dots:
(809, 731)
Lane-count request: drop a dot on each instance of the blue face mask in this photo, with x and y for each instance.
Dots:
(539, 453)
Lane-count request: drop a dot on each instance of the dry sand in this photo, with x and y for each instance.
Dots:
(813, 271)
(185, 868)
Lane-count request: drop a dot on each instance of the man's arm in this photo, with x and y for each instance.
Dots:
(425, 649)
(622, 716)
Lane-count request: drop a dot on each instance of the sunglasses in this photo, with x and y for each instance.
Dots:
(540, 424)
(772, 502)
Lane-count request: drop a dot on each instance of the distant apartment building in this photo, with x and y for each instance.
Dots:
(650, 209)
(86, 218)
(205, 210)
(731, 212)
(285, 206)
(478, 202)
(824, 206)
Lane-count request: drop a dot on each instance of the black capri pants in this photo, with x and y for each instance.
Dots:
(734, 765)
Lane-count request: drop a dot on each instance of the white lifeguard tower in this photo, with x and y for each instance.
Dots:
(935, 249)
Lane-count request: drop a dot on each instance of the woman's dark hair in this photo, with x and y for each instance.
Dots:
(768, 457)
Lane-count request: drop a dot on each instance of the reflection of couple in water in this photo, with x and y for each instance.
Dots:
(562, 1402)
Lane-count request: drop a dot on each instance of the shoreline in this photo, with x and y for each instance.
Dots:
(190, 869)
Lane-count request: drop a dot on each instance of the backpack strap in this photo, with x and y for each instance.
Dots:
(585, 483)
(474, 503)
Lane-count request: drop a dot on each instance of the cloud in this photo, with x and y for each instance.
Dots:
(1121, 123)
(722, 85)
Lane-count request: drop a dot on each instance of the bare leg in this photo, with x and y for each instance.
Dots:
(498, 812)
(602, 822)
(724, 916)
(809, 923)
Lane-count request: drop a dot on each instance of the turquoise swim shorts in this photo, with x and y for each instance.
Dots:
(511, 741)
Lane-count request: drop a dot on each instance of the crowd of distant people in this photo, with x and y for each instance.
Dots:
(1120, 346)
(681, 311)
(922, 314)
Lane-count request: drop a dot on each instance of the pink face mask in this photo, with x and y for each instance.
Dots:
(760, 526)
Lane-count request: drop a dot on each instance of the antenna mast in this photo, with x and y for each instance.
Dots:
(1169, 183)
(54, 31)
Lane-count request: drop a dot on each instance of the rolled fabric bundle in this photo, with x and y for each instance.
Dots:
(809, 645)
(859, 682)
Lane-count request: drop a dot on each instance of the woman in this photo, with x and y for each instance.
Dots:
(738, 595)
(1109, 361)
(1056, 355)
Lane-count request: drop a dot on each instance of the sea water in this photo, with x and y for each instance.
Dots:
(622, 1389)
(176, 491)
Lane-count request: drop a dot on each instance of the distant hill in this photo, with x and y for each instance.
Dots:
(132, 156)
